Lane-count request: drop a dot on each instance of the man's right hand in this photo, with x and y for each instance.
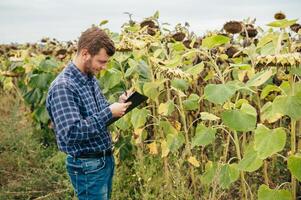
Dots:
(118, 109)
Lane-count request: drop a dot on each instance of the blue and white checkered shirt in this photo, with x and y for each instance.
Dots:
(79, 112)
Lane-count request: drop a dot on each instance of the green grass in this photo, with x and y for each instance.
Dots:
(28, 170)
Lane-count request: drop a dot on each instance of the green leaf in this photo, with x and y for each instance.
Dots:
(260, 78)
(192, 103)
(17, 67)
(144, 71)
(208, 116)
(195, 70)
(124, 122)
(250, 162)
(214, 40)
(139, 117)
(132, 68)
(268, 142)
(48, 65)
(103, 22)
(267, 89)
(177, 46)
(269, 37)
(239, 103)
(152, 89)
(247, 108)
(167, 128)
(296, 71)
(288, 105)
(268, 49)
(112, 77)
(219, 93)
(284, 23)
(132, 63)
(180, 84)
(41, 81)
(228, 174)
(175, 141)
(174, 61)
(203, 136)
(166, 108)
(156, 15)
(41, 115)
(265, 193)
(240, 120)
(297, 89)
(294, 165)
(121, 57)
(210, 173)
(268, 114)
(129, 72)
(33, 96)
(285, 88)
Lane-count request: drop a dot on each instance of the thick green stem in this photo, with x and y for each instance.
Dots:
(187, 148)
(265, 172)
(293, 151)
(224, 159)
(242, 176)
(183, 119)
(278, 47)
(293, 138)
(298, 134)
(244, 141)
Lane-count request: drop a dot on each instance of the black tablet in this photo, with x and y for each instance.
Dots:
(136, 98)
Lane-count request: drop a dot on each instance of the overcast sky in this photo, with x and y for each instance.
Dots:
(30, 20)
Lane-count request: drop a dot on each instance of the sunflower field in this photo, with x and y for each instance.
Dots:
(222, 119)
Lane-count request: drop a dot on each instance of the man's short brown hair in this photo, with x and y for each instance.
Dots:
(93, 39)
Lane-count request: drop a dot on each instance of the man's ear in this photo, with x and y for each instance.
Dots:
(85, 54)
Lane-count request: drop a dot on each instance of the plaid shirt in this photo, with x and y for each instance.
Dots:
(79, 112)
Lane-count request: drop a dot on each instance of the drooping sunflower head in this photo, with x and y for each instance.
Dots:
(233, 27)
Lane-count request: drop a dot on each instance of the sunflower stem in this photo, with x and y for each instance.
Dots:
(242, 176)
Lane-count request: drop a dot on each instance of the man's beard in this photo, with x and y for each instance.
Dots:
(88, 68)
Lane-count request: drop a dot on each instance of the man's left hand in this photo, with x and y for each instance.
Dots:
(125, 96)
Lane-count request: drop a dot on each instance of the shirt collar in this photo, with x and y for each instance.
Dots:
(78, 74)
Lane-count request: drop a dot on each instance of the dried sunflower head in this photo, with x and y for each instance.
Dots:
(252, 32)
(151, 31)
(233, 27)
(279, 16)
(172, 73)
(179, 36)
(149, 23)
(295, 27)
(231, 51)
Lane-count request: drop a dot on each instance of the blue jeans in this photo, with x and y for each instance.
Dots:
(91, 177)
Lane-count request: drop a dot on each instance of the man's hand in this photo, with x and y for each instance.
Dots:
(125, 95)
(118, 109)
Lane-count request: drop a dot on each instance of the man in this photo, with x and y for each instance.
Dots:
(79, 113)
